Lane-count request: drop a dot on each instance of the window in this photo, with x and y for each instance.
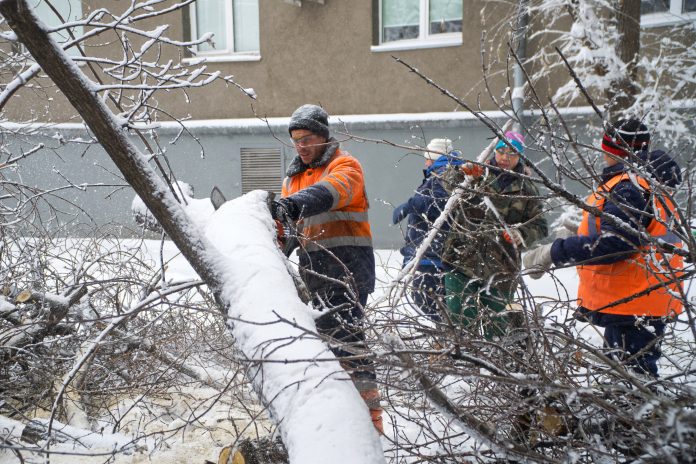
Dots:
(233, 23)
(68, 10)
(653, 6)
(419, 23)
(666, 12)
(262, 169)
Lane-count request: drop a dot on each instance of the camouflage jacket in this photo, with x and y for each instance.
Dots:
(475, 245)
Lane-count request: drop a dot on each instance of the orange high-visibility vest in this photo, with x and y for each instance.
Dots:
(346, 223)
(603, 286)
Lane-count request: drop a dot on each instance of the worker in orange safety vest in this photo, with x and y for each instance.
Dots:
(324, 192)
(628, 285)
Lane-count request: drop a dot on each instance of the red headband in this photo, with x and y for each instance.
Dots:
(609, 146)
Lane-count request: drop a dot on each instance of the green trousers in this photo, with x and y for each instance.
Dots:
(470, 304)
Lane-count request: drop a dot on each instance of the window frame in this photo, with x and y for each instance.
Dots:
(228, 54)
(673, 17)
(425, 38)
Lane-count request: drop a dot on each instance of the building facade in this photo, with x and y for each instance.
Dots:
(340, 54)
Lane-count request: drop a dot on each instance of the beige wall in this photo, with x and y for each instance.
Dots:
(318, 54)
(321, 54)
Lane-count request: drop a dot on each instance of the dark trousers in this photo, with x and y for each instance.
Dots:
(343, 322)
(635, 341)
(428, 291)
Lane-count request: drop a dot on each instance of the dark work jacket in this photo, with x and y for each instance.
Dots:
(628, 203)
(422, 209)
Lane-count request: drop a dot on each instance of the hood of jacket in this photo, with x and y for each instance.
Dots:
(440, 164)
(662, 167)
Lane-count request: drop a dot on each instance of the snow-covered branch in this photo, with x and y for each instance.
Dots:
(234, 277)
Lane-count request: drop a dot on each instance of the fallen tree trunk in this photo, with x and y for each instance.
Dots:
(319, 412)
(37, 432)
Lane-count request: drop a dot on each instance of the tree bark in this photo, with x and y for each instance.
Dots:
(284, 383)
(621, 93)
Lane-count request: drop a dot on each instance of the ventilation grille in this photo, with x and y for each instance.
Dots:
(262, 169)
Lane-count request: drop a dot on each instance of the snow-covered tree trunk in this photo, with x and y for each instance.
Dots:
(627, 70)
(622, 90)
(320, 414)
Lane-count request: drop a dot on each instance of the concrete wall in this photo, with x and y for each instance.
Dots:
(391, 173)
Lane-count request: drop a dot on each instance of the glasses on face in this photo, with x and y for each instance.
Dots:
(507, 152)
(307, 140)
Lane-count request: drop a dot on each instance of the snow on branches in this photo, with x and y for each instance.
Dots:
(655, 81)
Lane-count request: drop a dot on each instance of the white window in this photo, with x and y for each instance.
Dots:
(234, 25)
(57, 13)
(407, 24)
(665, 12)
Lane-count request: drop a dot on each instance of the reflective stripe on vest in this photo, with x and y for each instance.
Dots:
(322, 244)
(604, 287)
(320, 219)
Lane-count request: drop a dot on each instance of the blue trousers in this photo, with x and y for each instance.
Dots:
(644, 339)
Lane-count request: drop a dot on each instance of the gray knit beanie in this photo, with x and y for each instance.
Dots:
(312, 118)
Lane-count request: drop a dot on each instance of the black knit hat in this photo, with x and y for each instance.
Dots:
(312, 118)
(623, 134)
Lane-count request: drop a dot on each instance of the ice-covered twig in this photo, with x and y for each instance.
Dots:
(235, 276)
(484, 432)
(557, 189)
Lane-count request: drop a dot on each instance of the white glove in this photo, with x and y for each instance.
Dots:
(571, 225)
(568, 228)
(562, 232)
(538, 261)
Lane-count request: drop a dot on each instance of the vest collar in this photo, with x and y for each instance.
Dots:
(612, 171)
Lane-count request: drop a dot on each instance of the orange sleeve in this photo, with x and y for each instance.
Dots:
(345, 181)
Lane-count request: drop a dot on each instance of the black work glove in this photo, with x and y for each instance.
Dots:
(284, 209)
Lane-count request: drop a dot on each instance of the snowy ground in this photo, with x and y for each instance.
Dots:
(224, 419)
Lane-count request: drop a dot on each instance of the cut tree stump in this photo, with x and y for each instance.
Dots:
(264, 450)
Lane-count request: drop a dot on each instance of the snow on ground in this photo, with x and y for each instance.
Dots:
(200, 440)
(203, 438)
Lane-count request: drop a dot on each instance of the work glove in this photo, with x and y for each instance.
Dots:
(567, 228)
(513, 237)
(400, 212)
(538, 261)
(571, 225)
(473, 170)
(563, 233)
(284, 209)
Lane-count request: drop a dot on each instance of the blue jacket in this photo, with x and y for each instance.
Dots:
(423, 209)
(627, 203)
